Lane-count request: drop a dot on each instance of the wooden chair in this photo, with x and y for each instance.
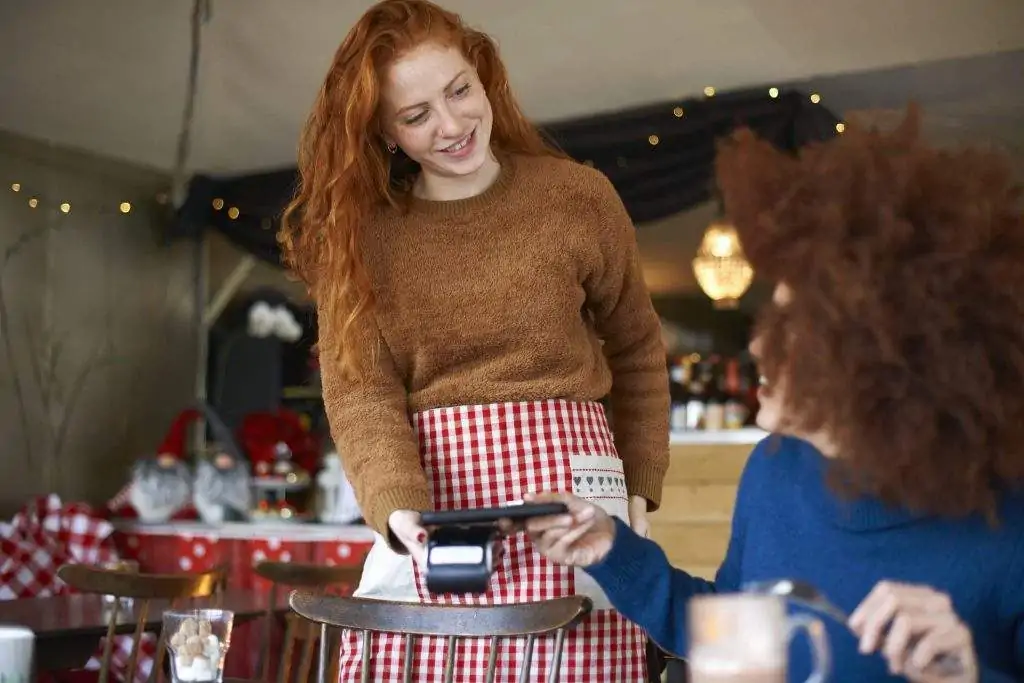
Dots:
(143, 589)
(452, 622)
(314, 577)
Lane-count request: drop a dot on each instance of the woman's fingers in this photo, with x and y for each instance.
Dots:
(872, 617)
(952, 637)
(559, 545)
(563, 541)
(916, 630)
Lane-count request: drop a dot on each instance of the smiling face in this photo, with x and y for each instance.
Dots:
(434, 107)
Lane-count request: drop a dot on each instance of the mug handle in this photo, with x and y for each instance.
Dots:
(821, 654)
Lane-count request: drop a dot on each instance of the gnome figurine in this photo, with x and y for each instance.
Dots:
(161, 486)
(222, 490)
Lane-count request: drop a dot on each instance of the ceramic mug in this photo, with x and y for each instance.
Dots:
(16, 647)
(743, 638)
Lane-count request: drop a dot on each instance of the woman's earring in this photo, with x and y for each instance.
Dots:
(392, 147)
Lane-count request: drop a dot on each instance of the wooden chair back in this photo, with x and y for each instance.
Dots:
(452, 622)
(317, 578)
(143, 589)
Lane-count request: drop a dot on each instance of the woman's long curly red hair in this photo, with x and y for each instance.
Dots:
(904, 337)
(345, 170)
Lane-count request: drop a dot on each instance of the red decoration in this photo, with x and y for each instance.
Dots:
(261, 434)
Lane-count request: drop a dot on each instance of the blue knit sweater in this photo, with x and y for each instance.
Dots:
(788, 524)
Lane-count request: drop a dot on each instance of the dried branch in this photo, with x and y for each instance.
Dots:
(16, 385)
(19, 244)
(34, 364)
(97, 360)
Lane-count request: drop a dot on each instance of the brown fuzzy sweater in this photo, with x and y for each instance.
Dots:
(505, 296)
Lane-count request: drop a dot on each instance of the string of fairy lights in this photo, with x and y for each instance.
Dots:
(36, 200)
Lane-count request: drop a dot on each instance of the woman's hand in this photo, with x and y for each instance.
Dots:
(638, 516)
(913, 626)
(405, 525)
(580, 538)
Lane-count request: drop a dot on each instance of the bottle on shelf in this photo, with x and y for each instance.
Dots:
(714, 408)
(697, 402)
(679, 393)
(736, 411)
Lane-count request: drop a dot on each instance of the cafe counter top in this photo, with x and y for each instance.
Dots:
(745, 436)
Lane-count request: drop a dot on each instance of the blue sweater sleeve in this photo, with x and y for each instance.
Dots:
(642, 585)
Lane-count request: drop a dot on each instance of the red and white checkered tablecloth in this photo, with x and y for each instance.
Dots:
(47, 533)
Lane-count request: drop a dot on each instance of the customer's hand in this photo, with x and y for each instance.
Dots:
(406, 527)
(580, 538)
(913, 626)
(638, 521)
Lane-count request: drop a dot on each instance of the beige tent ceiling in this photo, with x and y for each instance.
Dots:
(109, 75)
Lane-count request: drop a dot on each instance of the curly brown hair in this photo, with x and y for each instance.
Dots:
(904, 336)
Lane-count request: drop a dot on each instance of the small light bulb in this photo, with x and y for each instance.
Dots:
(33, 202)
(722, 247)
(125, 207)
(815, 98)
(218, 204)
(16, 187)
(840, 127)
(65, 207)
(709, 91)
(678, 112)
(653, 139)
(773, 93)
(233, 213)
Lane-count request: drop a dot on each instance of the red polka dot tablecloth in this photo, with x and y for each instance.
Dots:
(193, 547)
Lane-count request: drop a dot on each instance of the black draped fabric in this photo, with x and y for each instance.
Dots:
(660, 159)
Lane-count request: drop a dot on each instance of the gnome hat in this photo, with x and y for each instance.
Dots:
(172, 448)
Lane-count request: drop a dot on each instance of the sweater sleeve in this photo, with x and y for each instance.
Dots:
(369, 419)
(625, 319)
(660, 609)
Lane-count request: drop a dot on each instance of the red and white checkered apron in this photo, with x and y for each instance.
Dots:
(489, 455)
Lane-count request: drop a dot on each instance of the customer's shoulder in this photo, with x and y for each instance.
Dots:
(776, 451)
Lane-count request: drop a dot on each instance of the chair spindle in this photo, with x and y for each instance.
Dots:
(527, 666)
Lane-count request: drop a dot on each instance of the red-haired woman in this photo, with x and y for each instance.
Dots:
(478, 295)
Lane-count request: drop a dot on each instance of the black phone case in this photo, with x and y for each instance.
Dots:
(475, 516)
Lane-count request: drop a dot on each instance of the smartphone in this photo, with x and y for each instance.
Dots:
(489, 516)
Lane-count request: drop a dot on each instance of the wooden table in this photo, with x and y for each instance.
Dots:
(68, 628)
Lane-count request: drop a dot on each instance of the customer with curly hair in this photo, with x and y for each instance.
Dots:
(893, 353)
